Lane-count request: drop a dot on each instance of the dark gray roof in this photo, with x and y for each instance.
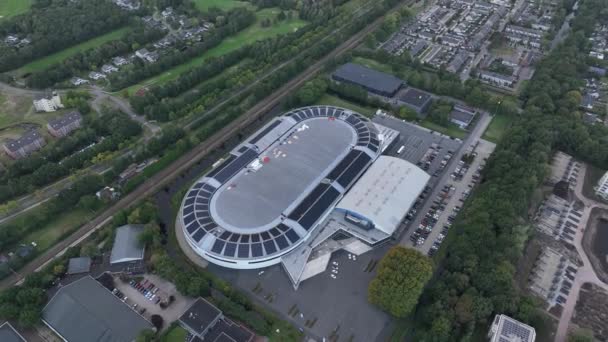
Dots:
(461, 116)
(369, 78)
(126, 244)
(86, 311)
(200, 316)
(26, 139)
(415, 97)
(65, 120)
(9, 334)
(79, 265)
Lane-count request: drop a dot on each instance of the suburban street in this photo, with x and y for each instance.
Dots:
(444, 179)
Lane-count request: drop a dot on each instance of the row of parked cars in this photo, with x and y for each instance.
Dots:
(147, 289)
(432, 216)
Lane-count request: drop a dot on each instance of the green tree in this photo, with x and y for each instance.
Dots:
(146, 335)
(402, 275)
(581, 335)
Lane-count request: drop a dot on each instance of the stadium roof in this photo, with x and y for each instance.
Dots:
(254, 199)
(266, 196)
(385, 193)
(9, 334)
(126, 244)
(86, 311)
(369, 78)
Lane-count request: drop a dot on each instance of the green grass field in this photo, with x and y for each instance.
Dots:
(176, 334)
(204, 5)
(9, 8)
(251, 34)
(55, 229)
(372, 64)
(452, 130)
(496, 129)
(45, 62)
(331, 100)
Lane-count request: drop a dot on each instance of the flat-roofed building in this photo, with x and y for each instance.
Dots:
(65, 124)
(376, 82)
(601, 189)
(87, 311)
(417, 100)
(9, 334)
(205, 322)
(127, 253)
(29, 142)
(507, 329)
(48, 103)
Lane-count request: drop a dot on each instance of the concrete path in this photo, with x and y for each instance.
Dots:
(585, 274)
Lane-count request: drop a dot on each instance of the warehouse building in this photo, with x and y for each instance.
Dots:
(375, 82)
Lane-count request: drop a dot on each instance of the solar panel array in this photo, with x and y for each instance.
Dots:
(511, 329)
(195, 211)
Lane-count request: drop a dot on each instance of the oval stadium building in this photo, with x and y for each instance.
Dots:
(268, 196)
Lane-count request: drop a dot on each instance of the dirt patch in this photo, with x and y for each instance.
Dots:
(591, 311)
(595, 242)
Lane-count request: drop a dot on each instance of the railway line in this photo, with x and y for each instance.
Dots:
(158, 181)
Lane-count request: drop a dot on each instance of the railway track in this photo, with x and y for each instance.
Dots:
(158, 181)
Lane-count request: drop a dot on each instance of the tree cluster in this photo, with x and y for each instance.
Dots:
(59, 25)
(94, 58)
(476, 277)
(402, 275)
(108, 131)
(234, 21)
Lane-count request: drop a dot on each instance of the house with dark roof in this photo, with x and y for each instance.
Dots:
(205, 322)
(9, 334)
(86, 311)
(29, 142)
(64, 125)
(127, 253)
(462, 116)
(417, 100)
(375, 82)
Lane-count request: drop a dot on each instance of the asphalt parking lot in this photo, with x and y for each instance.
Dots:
(323, 307)
(443, 212)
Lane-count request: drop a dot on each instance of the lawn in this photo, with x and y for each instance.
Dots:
(251, 34)
(204, 5)
(496, 129)
(372, 64)
(10, 8)
(45, 62)
(13, 109)
(56, 228)
(331, 100)
(452, 130)
(176, 334)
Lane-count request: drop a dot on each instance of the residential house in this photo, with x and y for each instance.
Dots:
(64, 125)
(29, 142)
(94, 75)
(76, 81)
(119, 61)
(497, 79)
(108, 69)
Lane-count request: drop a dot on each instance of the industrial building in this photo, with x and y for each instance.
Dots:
(375, 82)
(308, 183)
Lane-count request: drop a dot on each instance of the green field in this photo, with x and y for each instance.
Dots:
(372, 64)
(204, 5)
(45, 62)
(57, 228)
(452, 130)
(176, 334)
(496, 129)
(9, 8)
(249, 35)
(331, 100)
